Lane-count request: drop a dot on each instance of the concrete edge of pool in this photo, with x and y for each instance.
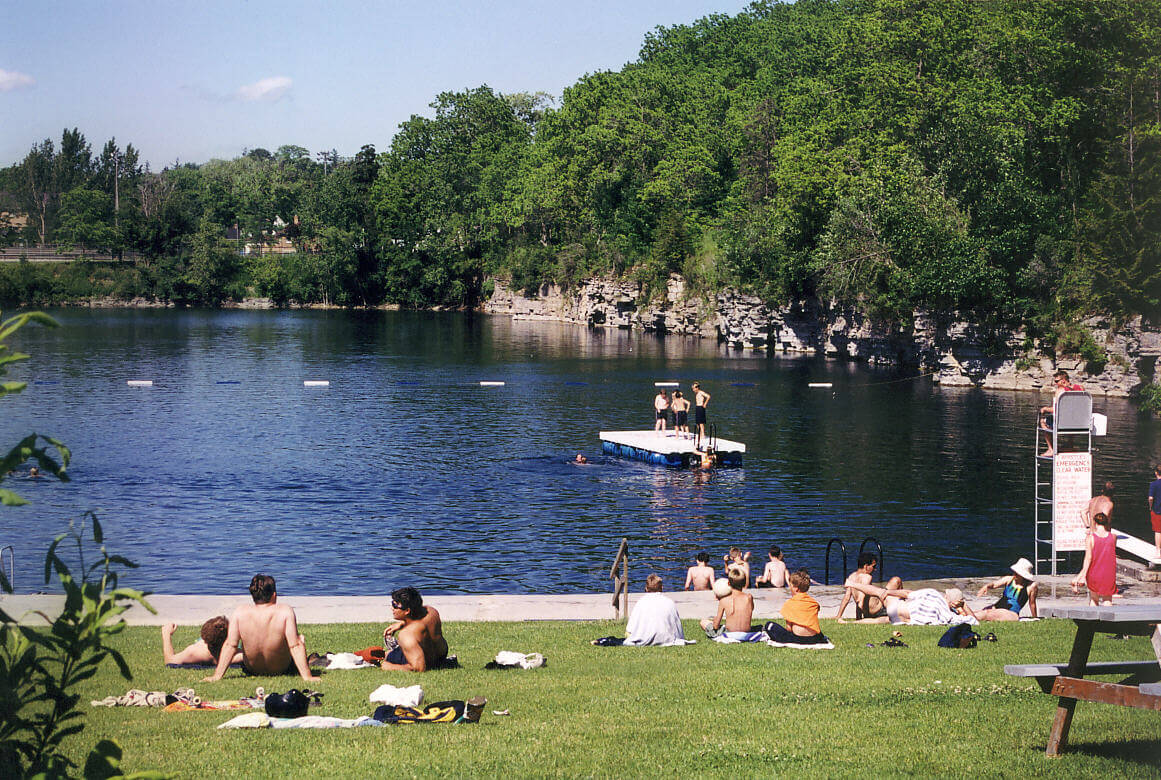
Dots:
(194, 609)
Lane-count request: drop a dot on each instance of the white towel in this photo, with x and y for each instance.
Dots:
(397, 697)
(523, 660)
(346, 661)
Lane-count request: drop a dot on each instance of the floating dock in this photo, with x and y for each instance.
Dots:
(665, 448)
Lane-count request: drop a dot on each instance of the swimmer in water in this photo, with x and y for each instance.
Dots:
(707, 458)
(580, 459)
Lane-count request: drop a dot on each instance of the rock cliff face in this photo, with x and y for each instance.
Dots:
(956, 352)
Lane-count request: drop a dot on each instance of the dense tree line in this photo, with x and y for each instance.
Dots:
(997, 157)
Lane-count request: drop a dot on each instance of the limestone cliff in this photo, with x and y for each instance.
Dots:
(956, 351)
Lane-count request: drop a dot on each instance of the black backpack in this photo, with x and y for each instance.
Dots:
(959, 635)
(292, 704)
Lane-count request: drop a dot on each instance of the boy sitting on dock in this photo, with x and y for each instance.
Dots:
(774, 575)
(801, 614)
(735, 610)
(700, 576)
(736, 559)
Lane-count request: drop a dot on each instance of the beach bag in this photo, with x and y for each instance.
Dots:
(292, 704)
(960, 636)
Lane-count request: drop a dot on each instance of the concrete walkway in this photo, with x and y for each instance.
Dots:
(193, 610)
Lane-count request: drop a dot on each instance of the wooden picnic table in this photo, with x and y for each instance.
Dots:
(1140, 688)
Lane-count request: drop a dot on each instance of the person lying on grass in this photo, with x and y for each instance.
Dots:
(735, 610)
(205, 650)
(922, 607)
(801, 614)
(417, 634)
(268, 631)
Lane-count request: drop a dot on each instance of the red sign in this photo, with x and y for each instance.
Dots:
(1071, 492)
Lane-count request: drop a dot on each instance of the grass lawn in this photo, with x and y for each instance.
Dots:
(705, 710)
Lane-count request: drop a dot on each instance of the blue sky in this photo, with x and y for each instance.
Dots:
(191, 81)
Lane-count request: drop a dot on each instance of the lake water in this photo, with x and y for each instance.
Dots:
(406, 471)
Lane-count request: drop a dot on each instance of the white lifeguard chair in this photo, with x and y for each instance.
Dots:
(1064, 480)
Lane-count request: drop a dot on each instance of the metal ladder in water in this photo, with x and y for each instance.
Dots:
(882, 567)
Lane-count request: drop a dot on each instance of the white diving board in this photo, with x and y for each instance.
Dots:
(1138, 548)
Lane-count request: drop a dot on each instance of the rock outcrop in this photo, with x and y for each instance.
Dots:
(955, 351)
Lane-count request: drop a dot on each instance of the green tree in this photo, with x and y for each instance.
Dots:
(85, 217)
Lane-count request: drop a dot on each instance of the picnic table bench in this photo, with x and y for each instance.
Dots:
(1140, 688)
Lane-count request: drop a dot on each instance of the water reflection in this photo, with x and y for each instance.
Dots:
(406, 470)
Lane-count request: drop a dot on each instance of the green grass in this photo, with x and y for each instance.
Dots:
(705, 710)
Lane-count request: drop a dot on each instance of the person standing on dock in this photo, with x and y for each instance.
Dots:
(1099, 572)
(1155, 507)
(680, 408)
(701, 400)
(661, 407)
(1099, 505)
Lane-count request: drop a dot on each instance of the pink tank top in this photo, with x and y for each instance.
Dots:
(1102, 572)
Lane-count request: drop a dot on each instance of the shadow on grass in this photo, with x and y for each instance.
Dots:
(1146, 752)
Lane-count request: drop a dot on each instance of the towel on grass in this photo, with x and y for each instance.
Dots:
(260, 720)
(508, 659)
(227, 704)
(199, 665)
(403, 697)
(347, 661)
(799, 646)
(733, 637)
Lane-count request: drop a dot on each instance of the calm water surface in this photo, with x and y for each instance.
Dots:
(405, 471)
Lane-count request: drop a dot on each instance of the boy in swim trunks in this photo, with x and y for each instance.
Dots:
(735, 610)
(700, 576)
(661, 407)
(680, 407)
(701, 400)
(774, 575)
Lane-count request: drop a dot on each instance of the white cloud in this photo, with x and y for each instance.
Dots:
(265, 90)
(10, 80)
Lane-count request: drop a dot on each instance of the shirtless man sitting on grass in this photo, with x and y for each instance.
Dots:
(418, 632)
(205, 650)
(735, 611)
(268, 631)
(866, 606)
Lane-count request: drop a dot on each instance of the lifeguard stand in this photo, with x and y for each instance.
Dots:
(1064, 481)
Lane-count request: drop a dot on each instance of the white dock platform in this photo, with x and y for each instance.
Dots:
(667, 448)
(1137, 547)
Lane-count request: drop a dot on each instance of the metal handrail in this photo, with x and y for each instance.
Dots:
(826, 569)
(11, 564)
(621, 583)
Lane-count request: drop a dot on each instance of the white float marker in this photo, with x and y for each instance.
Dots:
(821, 384)
(667, 384)
(316, 383)
(484, 383)
(140, 383)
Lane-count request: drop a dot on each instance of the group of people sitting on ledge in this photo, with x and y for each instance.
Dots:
(263, 637)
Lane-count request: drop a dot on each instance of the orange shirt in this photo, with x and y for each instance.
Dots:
(801, 609)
